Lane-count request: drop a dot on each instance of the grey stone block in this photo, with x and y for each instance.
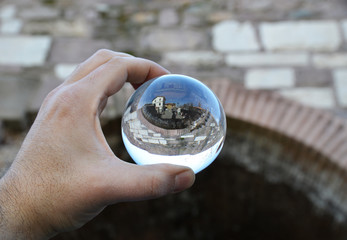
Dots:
(75, 50)
(155, 39)
(15, 96)
(47, 84)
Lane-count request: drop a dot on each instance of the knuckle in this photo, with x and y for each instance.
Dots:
(61, 102)
(103, 53)
(116, 60)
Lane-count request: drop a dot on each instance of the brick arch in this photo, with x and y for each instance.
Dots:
(315, 139)
(315, 128)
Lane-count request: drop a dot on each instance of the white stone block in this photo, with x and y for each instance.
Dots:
(25, 51)
(301, 35)
(270, 78)
(329, 60)
(192, 58)
(311, 96)
(200, 138)
(234, 36)
(267, 59)
(8, 12)
(153, 141)
(340, 80)
(344, 28)
(62, 71)
(143, 132)
(11, 26)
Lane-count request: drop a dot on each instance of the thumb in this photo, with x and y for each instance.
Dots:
(135, 182)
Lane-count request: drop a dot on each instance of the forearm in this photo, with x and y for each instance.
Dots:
(16, 220)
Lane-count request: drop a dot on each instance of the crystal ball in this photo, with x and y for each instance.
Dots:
(174, 119)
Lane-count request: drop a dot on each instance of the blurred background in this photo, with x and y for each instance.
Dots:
(279, 68)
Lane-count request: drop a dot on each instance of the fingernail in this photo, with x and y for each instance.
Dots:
(184, 180)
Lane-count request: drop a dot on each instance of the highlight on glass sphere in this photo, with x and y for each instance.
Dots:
(174, 119)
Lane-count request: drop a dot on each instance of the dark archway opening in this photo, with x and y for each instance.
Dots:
(228, 201)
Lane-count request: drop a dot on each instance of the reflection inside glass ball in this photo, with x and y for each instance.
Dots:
(174, 119)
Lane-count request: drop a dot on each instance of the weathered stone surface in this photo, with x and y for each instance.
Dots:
(172, 39)
(7, 155)
(47, 84)
(340, 80)
(344, 28)
(192, 58)
(15, 96)
(24, 50)
(311, 96)
(270, 78)
(168, 17)
(75, 50)
(38, 27)
(1, 133)
(142, 18)
(64, 70)
(267, 59)
(75, 28)
(39, 13)
(11, 26)
(313, 77)
(234, 36)
(219, 16)
(8, 12)
(329, 60)
(301, 35)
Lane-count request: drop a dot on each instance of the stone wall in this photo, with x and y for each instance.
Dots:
(297, 48)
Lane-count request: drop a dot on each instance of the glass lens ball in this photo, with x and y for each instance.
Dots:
(174, 119)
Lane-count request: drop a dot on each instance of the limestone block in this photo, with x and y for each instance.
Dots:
(15, 96)
(192, 58)
(168, 17)
(36, 98)
(218, 16)
(1, 132)
(7, 155)
(270, 78)
(340, 80)
(25, 51)
(75, 50)
(143, 18)
(158, 39)
(301, 35)
(234, 36)
(75, 28)
(39, 13)
(267, 59)
(311, 96)
(8, 12)
(11, 26)
(329, 60)
(344, 28)
(62, 70)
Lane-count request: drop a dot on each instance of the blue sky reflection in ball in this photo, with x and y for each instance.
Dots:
(174, 119)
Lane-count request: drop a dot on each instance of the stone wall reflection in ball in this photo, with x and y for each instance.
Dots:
(174, 119)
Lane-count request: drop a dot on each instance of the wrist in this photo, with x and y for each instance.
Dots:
(17, 217)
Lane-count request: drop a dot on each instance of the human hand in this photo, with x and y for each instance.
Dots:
(65, 173)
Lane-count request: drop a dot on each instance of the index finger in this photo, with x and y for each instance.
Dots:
(109, 78)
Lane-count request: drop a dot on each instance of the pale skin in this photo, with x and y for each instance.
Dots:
(65, 173)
